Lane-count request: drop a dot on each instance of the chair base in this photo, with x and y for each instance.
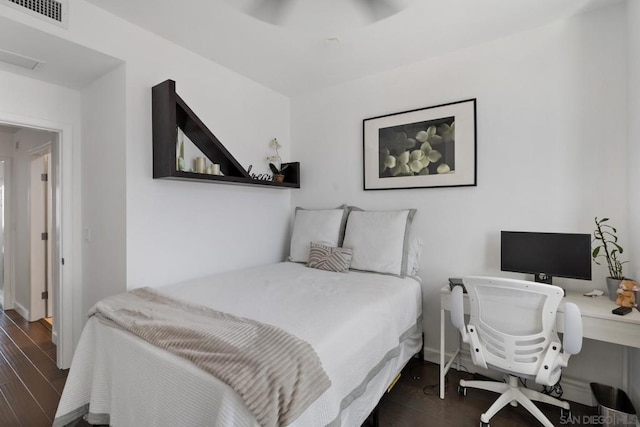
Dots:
(512, 393)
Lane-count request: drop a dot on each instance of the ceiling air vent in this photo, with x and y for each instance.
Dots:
(49, 10)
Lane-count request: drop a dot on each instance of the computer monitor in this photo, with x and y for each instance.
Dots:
(546, 254)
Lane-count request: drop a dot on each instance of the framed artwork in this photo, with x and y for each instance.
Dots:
(428, 147)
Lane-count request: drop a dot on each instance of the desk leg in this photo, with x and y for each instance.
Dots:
(444, 367)
(443, 372)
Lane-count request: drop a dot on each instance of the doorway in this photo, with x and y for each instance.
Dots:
(64, 270)
(29, 237)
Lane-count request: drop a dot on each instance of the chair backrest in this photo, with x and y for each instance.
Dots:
(512, 324)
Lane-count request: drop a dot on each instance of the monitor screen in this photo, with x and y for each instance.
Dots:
(546, 254)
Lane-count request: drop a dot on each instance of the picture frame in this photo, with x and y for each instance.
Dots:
(422, 148)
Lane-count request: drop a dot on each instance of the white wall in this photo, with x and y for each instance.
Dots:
(633, 28)
(6, 144)
(178, 230)
(103, 188)
(551, 152)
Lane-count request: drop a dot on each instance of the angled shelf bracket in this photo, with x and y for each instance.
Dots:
(170, 112)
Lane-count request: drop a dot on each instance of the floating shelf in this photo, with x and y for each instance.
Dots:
(169, 112)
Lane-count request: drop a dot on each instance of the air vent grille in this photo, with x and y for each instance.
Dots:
(49, 8)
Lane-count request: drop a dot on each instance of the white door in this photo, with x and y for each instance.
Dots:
(48, 311)
(38, 237)
(3, 283)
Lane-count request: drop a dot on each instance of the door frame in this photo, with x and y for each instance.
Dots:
(65, 244)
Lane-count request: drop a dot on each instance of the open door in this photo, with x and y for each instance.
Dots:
(4, 267)
(40, 244)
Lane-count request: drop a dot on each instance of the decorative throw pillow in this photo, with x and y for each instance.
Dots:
(329, 258)
(380, 240)
(324, 225)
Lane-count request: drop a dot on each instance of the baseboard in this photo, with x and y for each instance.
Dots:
(54, 337)
(22, 311)
(574, 390)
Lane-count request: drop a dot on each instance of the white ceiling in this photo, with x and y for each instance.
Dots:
(61, 62)
(298, 56)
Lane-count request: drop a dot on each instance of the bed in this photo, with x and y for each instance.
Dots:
(364, 327)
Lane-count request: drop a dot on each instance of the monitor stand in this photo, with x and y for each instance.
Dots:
(543, 278)
(546, 279)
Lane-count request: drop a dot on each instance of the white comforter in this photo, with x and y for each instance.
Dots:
(353, 320)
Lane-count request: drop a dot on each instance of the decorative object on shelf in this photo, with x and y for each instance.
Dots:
(262, 177)
(427, 147)
(171, 116)
(275, 162)
(200, 163)
(259, 176)
(604, 236)
(213, 169)
(278, 176)
(275, 159)
(180, 150)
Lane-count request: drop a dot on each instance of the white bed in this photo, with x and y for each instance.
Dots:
(363, 326)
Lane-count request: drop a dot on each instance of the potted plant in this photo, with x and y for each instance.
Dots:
(604, 236)
(278, 176)
(275, 162)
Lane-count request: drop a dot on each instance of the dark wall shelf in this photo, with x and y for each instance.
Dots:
(169, 112)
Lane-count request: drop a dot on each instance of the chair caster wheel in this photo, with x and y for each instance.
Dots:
(483, 424)
(462, 390)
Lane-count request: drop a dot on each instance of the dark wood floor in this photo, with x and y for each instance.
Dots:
(31, 384)
(415, 402)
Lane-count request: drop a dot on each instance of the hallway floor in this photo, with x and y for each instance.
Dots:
(30, 381)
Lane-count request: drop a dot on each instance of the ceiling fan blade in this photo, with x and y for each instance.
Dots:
(379, 9)
(271, 11)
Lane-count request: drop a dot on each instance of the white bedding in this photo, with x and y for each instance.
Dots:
(354, 321)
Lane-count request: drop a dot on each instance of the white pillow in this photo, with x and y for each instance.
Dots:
(380, 240)
(413, 261)
(325, 226)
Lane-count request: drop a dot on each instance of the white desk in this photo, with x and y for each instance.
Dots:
(598, 323)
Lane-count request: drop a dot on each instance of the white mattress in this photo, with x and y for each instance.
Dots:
(363, 326)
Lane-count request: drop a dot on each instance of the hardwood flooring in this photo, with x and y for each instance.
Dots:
(31, 384)
(415, 402)
(30, 381)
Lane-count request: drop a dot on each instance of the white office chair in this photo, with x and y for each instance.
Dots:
(512, 329)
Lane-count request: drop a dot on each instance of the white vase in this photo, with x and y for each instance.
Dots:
(612, 286)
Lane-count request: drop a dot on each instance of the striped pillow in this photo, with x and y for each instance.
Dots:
(329, 258)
